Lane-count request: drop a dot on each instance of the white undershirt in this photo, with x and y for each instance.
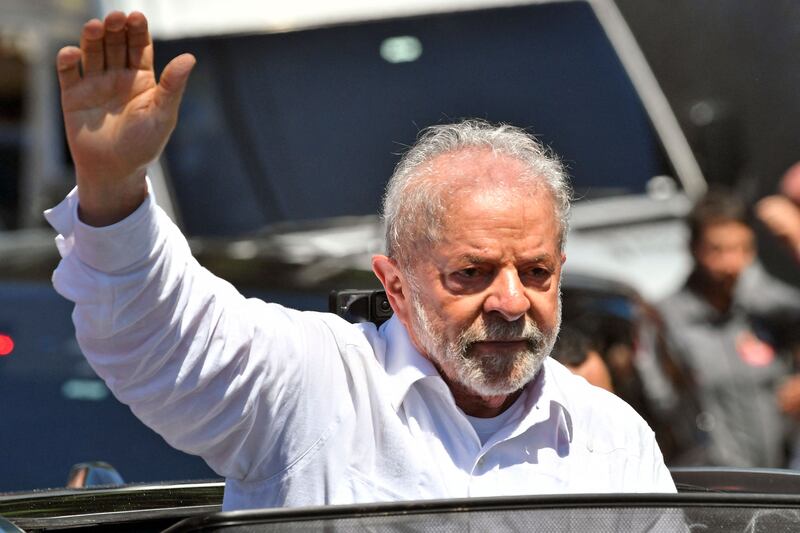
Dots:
(486, 427)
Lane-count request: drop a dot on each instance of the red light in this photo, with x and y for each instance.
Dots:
(6, 344)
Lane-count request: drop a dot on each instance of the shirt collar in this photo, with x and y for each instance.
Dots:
(404, 365)
(546, 400)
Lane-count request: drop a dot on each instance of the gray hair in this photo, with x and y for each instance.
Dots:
(413, 207)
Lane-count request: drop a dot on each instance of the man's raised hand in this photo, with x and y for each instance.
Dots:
(117, 118)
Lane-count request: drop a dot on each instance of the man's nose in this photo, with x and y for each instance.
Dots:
(733, 262)
(507, 296)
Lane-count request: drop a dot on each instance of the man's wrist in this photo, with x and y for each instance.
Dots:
(102, 205)
(116, 246)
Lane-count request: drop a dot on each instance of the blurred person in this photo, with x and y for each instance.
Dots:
(730, 326)
(574, 350)
(780, 213)
(454, 396)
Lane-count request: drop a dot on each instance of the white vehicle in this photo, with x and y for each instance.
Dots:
(296, 111)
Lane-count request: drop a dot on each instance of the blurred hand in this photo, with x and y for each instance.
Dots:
(790, 184)
(117, 118)
(789, 396)
(782, 217)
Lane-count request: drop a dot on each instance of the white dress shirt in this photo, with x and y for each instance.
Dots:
(302, 408)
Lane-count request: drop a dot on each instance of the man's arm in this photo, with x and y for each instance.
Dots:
(780, 213)
(248, 386)
(117, 118)
(782, 217)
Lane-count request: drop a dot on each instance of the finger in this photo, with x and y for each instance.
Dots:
(93, 59)
(790, 184)
(767, 207)
(173, 83)
(115, 41)
(67, 65)
(140, 46)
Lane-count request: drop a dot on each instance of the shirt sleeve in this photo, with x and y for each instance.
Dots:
(774, 303)
(661, 478)
(249, 386)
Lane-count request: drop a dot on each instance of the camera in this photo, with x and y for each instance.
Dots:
(361, 305)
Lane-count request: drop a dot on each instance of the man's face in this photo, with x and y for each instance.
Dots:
(723, 250)
(485, 299)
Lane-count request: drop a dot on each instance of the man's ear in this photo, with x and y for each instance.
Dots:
(396, 286)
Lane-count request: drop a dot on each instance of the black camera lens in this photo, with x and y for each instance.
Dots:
(382, 308)
(361, 305)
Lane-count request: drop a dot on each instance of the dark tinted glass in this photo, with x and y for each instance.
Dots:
(55, 410)
(604, 513)
(544, 520)
(306, 125)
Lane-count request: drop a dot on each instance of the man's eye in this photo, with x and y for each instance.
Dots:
(469, 272)
(539, 273)
(469, 279)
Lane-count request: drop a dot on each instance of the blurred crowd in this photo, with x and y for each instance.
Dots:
(715, 367)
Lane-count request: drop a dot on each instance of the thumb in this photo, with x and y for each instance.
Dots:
(173, 82)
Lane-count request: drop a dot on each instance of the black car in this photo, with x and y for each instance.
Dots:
(709, 500)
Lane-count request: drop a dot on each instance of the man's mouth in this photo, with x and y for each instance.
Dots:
(499, 345)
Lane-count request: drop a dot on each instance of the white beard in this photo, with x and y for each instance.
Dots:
(486, 375)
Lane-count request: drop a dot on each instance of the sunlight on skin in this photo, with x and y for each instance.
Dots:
(117, 118)
(499, 257)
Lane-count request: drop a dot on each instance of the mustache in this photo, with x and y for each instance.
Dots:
(497, 329)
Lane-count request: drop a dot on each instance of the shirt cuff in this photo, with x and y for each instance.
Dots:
(108, 249)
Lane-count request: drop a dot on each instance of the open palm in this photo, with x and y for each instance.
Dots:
(117, 118)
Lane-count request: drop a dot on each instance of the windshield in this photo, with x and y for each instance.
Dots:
(307, 125)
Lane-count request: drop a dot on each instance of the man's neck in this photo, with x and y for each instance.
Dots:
(719, 300)
(479, 406)
(718, 295)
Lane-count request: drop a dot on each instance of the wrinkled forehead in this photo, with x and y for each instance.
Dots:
(450, 184)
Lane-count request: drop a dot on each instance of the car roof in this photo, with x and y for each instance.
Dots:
(178, 19)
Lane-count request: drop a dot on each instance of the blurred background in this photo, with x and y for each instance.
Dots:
(291, 126)
(731, 75)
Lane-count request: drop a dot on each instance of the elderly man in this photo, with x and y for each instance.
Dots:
(455, 396)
